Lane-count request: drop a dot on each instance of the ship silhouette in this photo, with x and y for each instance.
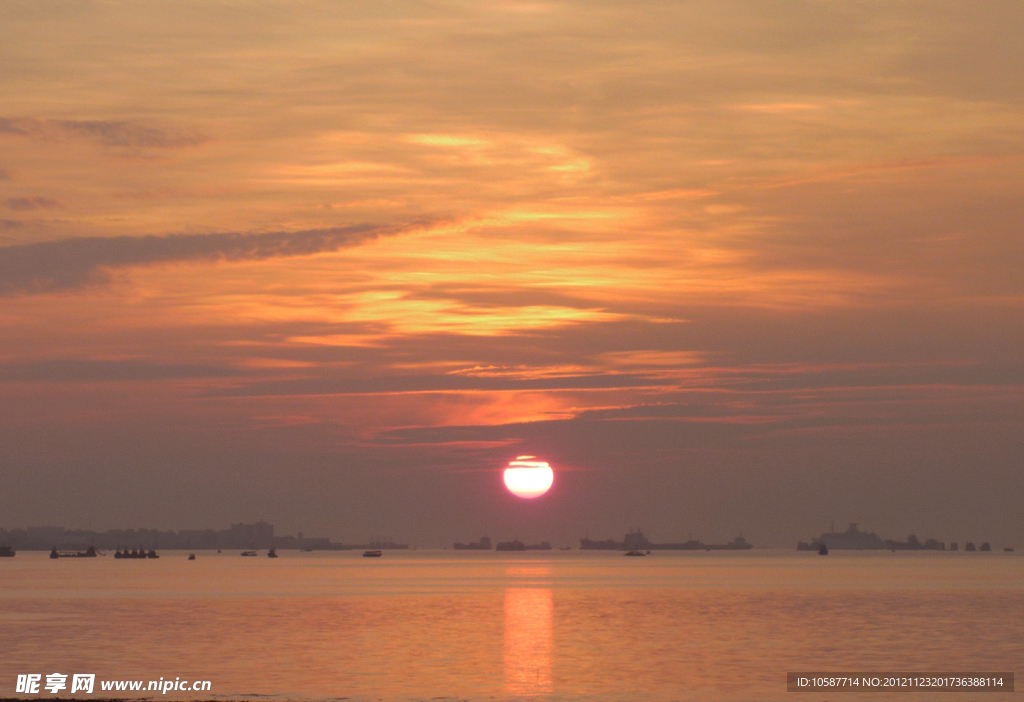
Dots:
(853, 539)
(636, 541)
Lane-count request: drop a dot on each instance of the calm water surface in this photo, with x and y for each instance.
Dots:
(488, 626)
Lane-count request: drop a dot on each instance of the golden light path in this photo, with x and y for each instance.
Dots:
(528, 478)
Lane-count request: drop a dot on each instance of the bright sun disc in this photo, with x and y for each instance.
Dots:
(528, 478)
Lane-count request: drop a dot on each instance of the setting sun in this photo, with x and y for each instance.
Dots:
(526, 477)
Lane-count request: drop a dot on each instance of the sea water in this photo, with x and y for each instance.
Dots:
(422, 625)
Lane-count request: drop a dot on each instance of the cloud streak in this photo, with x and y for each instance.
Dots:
(115, 133)
(72, 370)
(438, 383)
(24, 204)
(69, 264)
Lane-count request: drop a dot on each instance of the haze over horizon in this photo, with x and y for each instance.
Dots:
(731, 268)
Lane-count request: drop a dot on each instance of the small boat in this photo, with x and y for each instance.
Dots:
(89, 553)
(8, 552)
(373, 553)
(635, 553)
(152, 554)
(1007, 549)
(271, 553)
(191, 556)
(823, 549)
(249, 553)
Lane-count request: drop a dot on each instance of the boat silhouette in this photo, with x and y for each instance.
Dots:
(135, 553)
(373, 553)
(88, 553)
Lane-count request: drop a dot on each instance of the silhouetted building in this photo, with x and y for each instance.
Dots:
(239, 536)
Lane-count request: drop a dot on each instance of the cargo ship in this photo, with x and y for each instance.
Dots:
(853, 539)
(636, 541)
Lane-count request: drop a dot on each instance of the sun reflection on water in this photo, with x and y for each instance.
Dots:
(528, 639)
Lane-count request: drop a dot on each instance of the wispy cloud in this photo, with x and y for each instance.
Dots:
(67, 264)
(115, 133)
(23, 204)
(437, 383)
(76, 370)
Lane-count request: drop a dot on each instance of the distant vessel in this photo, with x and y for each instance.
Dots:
(271, 553)
(249, 553)
(191, 556)
(635, 553)
(484, 544)
(373, 553)
(636, 541)
(985, 547)
(853, 539)
(382, 545)
(140, 553)
(88, 553)
(513, 545)
(1007, 549)
(8, 552)
(823, 551)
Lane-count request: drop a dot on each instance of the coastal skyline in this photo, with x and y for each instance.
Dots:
(731, 268)
(263, 535)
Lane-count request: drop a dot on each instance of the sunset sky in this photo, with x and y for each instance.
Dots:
(741, 266)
